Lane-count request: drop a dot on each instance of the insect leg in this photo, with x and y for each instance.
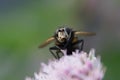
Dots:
(54, 48)
(58, 53)
(82, 43)
(78, 42)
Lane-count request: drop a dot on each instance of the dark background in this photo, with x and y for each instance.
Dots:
(24, 24)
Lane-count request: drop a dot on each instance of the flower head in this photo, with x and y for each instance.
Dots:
(78, 66)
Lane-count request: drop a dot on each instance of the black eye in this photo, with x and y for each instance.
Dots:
(62, 30)
(59, 30)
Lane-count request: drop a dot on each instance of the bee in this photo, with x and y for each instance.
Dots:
(66, 39)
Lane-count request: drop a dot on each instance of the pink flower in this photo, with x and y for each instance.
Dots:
(78, 66)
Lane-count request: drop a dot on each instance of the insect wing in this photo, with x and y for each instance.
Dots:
(48, 41)
(84, 33)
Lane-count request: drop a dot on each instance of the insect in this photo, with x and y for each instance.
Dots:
(66, 39)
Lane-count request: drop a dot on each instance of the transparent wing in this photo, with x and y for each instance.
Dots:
(81, 33)
(48, 41)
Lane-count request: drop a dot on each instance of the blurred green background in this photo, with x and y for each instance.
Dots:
(24, 24)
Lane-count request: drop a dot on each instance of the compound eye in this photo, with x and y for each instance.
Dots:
(62, 30)
(59, 30)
